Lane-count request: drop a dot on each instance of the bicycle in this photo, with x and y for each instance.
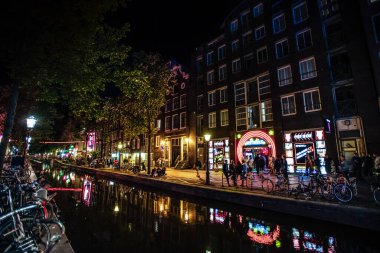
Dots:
(375, 187)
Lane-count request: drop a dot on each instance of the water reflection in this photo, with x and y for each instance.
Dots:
(104, 216)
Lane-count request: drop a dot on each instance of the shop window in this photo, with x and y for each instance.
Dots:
(300, 13)
(311, 101)
(340, 67)
(284, 75)
(262, 55)
(307, 68)
(304, 39)
(222, 72)
(211, 98)
(183, 101)
(212, 120)
(168, 123)
(224, 118)
(279, 23)
(236, 66)
(210, 77)
(266, 111)
(288, 105)
(222, 52)
(223, 95)
(175, 121)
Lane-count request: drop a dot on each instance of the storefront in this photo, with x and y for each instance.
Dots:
(253, 143)
(298, 145)
(218, 151)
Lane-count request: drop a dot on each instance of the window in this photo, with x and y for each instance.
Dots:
(304, 39)
(158, 141)
(241, 117)
(234, 25)
(236, 66)
(279, 23)
(300, 13)
(222, 72)
(311, 101)
(222, 52)
(308, 68)
(210, 56)
(345, 100)
(168, 106)
(175, 103)
(235, 46)
(328, 7)
(376, 27)
(199, 125)
(284, 75)
(158, 124)
(239, 93)
(266, 111)
(260, 32)
(183, 120)
(248, 61)
(264, 84)
(212, 120)
(247, 39)
(282, 48)
(175, 121)
(224, 118)
(168, 123)
(210, 77)
(288, 105)
(258, 10)
(211, 98)
(262, 55)
(245, 19)
(200, 103)
(223, 95)
(182, 101)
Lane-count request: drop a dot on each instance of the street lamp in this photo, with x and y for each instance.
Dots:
(119, 146)
(30, 123)
(207, 139)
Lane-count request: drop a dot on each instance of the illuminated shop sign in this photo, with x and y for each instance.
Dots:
(255, 142)
(302, 150)
(91, 141)
(303, 136)
(218, 143)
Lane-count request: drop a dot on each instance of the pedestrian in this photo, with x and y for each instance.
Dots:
(226, 172)
(239, 170)
(344, 167)
(309, 165)
(233, 172)
(284, 166)
(198, 165)
(277, 165)
(243, 175)
(271, 160)
(328, 164)
(356, 165)
(261, 164)
(317, 163)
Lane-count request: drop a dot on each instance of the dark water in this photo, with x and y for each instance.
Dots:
(105, 216)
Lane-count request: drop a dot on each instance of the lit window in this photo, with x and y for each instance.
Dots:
(212, 120)
(211, 98)
(266, 111)
(224, 118)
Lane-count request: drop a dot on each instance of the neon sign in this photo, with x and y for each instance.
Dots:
(255, 142)
(263, 236)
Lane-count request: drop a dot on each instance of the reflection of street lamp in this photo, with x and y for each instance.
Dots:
(207, 139)
(30, 123)
(119, 146)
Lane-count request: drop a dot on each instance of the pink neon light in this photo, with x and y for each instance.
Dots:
(65, 189)
(264, 239)
(254, 134)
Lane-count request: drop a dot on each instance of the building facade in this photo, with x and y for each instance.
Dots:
(289, 77)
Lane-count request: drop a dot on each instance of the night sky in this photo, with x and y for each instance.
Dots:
(174, 28)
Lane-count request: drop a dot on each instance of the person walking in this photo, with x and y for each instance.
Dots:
(356, 165)
(233, 172)
(284, 167)
(243, 175)
(309, 165)
(344, 167)
(271, 160)
(317, 163)
(277, 165)
(198, 165)
(226, 172)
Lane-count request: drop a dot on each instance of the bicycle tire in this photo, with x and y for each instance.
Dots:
(267, 185)
(343, 193)
(376, 195)
(327, 192)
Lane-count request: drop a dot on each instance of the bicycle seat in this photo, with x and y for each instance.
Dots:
(42, 194)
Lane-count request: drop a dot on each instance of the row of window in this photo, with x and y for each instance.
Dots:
(175, 104)
(299, 12)
(175, 121)
(303, 41)
(223, 119)
(311, 101)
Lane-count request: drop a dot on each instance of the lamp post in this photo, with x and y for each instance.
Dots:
(30, 123)
(207, 139)
(119, 147)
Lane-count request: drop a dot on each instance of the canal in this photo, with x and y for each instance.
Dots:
(106, 216)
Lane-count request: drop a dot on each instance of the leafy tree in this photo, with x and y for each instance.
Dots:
(61, 50)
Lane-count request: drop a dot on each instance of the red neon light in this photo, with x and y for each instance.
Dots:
(65, 189)
(264, 239)
(254, 134)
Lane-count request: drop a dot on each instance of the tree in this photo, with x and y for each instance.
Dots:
(62, 49)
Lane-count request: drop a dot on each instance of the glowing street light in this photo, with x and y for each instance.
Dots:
(30, 123)
(207, 139)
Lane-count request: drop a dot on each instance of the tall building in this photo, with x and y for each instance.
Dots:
(289, 77)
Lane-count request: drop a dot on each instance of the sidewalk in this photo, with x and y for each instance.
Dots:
(361, 212)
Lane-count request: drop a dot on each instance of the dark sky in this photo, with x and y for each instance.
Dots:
(174, 28)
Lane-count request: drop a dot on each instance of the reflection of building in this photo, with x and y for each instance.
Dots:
(283, 68)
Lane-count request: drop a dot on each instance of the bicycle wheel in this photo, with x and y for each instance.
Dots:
(267, 185)
(376, 195)
(327, 192)
(343, 193)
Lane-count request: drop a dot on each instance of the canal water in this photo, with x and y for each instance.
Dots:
(105, 216)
